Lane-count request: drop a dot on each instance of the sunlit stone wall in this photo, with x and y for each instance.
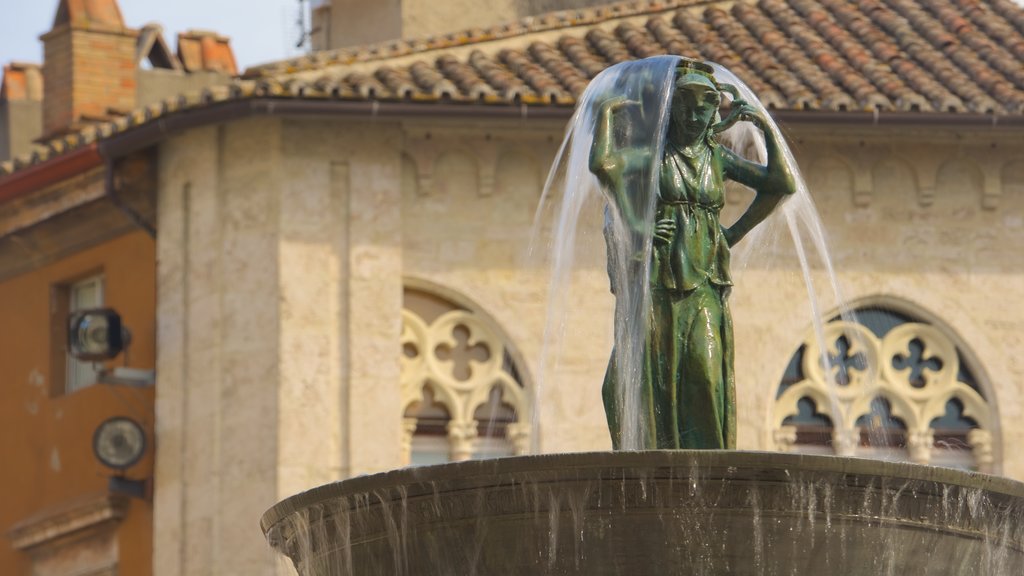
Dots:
(284, 246)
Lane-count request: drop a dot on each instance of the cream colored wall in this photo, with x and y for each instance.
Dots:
(284, 244)
(929, 217)
(934, 225)
(275, 261)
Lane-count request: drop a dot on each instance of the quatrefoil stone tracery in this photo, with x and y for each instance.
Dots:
(917, 392)
(429, 359)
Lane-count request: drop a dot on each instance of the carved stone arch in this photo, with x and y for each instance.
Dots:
(521, 163)
(895, 182)
(517, 188)
(1012, 180)
(456, 172)
(458, 298)
(412, 184)
(959, 186)
(832, 175)
(454, 349)
(892, 349)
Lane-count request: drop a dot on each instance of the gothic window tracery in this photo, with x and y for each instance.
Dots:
(462, 394)
(896, 387)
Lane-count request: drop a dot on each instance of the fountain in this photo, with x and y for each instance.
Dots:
(648, 131)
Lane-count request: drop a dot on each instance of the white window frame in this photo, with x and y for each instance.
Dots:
(81, 374)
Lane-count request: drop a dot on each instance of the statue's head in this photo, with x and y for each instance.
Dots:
(696, 98)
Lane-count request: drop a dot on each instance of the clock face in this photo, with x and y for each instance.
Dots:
(119, 443)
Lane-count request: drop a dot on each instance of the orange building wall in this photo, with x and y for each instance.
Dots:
(38, 429)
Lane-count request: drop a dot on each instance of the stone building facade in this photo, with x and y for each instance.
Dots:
(344, 286)
(77, 233)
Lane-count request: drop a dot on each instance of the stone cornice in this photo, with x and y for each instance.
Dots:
(55, 523)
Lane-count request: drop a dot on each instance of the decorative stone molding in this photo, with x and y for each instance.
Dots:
(981, 444)
(408, 429)
(422, 366)
(423, 155)
(785, 438)
(992, 189)
(51, 525)
(487, 156)
(917, 394)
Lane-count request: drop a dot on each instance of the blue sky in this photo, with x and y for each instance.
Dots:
(260, 30)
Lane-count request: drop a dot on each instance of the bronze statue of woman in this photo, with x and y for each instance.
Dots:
(687, 383)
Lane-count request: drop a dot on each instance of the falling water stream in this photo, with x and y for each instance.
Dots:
(594, 514)
(571, 185)
(676, 513)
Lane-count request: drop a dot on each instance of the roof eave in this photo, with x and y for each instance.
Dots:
(148, 134)
(50, 172)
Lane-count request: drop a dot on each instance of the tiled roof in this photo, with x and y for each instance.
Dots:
(927, 56)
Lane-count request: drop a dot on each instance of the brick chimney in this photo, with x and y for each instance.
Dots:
(89, 66)
(21, 115)
(206, 51)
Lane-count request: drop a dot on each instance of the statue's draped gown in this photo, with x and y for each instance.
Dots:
(689, 389)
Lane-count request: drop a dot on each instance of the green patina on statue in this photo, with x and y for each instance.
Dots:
(687, 382)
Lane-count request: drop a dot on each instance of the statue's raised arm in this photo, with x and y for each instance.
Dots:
(772, 182)
(612, 163)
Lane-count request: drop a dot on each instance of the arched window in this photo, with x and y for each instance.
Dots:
(462, 394)
(896, 388)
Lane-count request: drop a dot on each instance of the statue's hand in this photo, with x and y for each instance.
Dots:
(617, 103)
(747, 113)
(664, 231)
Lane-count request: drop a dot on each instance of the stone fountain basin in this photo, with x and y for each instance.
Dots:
(657, 512)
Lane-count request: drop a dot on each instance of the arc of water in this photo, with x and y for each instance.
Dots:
(800, 213)
(570, 185)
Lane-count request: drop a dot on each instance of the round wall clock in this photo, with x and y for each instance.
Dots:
(119, 443)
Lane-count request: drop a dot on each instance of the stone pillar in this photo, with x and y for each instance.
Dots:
(374, 300)
(279, 315)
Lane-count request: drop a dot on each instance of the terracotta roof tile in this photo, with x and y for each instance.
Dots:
(578, 53)
(22, 81)
(398, 80)
(463, 75)
(429, 79)
(202, 50)
(670, 37)
(556, 64)
(638, 40)
(930, 56)
(542, 82)
(608, 46)
(1008, 10)
(364, 85)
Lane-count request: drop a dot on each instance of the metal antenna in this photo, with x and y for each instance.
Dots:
(300, 22)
